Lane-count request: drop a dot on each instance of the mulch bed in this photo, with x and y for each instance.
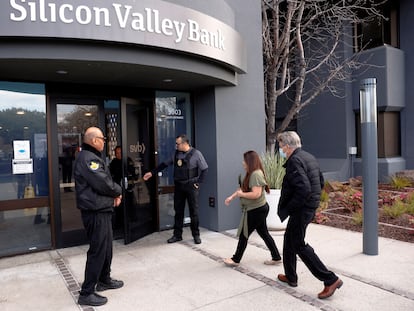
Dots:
(398, 228)
(396, 233)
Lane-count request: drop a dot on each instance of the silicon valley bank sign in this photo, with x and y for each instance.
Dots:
(146, 22)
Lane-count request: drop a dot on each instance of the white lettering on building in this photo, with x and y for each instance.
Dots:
(205, 37)
(149, 20)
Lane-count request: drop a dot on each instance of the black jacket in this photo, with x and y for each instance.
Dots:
(302, 184)
(95, 189)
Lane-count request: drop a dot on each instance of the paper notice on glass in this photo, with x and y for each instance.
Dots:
(21, 149)
(22, 166)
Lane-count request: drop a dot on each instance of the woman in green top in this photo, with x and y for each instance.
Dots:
(254, 209)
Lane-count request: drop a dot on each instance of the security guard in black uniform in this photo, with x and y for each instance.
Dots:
(190, 169)
(96, 196)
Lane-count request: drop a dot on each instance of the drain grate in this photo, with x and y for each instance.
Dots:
(71, 283)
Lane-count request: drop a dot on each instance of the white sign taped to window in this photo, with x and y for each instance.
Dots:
(24, 166)
(21, 149)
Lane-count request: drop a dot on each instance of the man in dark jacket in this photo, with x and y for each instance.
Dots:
(299, 200)
(190, 170)
(96, 196)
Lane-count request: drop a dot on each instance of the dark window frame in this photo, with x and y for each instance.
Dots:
(379, 30)
(388, 134)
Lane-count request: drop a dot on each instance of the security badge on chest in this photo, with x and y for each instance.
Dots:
(179, 162)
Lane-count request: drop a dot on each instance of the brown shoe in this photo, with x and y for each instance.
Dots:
(284, 279)
(328, 291)
(230, 263)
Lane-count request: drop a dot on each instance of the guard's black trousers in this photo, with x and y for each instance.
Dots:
(294, 244)
(99, 257)
(185, 192)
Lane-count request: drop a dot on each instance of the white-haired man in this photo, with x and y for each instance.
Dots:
(300, 196)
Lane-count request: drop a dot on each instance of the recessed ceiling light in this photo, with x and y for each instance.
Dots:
(61, 72)
(167, 80)
(88, 114)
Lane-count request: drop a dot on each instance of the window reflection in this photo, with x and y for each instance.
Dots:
(72, 121)
(23, 119)
(24, 177)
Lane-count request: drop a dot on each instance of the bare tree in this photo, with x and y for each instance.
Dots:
(307, 47)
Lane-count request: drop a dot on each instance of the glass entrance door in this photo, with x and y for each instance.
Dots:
(173, 117)
(73, 117)
(139, 210)
(126, 123)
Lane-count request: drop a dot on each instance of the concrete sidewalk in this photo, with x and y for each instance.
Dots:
(185, 276)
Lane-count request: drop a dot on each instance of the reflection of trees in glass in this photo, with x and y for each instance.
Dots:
(16, 126)
(77, 119)
(166, 130)
(165, 106)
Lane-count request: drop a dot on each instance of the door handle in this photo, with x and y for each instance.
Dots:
(125, 183)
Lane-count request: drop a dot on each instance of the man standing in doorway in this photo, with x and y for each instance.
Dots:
(190, 170)
(115, 167)
(96, 196)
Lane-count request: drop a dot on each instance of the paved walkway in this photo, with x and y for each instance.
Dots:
(184, 276)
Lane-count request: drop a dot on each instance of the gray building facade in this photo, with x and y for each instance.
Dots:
(145, 72)
(330, 127)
